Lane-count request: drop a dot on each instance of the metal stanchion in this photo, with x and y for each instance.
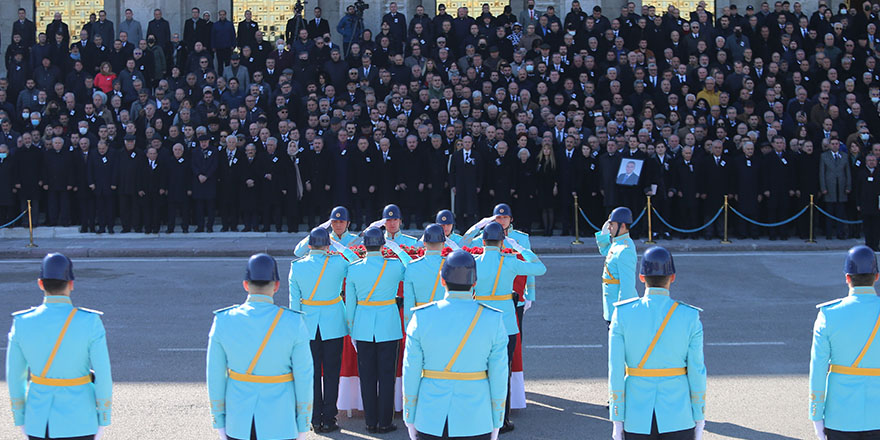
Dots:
(726, 209)
(577, 208)
(650, 230)
(30, 227)
(812, 205)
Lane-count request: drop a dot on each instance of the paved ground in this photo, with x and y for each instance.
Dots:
(758, 321)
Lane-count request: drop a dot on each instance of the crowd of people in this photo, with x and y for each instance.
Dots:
(155, 129)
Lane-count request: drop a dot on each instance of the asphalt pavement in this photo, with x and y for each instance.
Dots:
(759, 312)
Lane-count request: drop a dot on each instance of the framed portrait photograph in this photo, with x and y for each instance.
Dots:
(629, 172)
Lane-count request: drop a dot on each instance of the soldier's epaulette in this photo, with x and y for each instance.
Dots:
(22, 312)
(828, 303)
(490, 308)
(626, 301)
(688, 305)
(424, 306)
(291, 310)
(521, 232)
(97, 312)
(218, 311)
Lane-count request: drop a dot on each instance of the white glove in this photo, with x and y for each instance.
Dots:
(377, 224)
(819, 427)
(337, 246)
(617, 431)
(354, 344)
(482, 223)
(301, 436)
(495, 433)
(527, 306)
(511, 243)
(606, 229)
(411, 429)
(451, 244)
(100, 433)
(221, 432)
(698, 430)
(325, 225)
(24, 432)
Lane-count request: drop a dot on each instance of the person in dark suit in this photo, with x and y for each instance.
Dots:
(568, 166)
(7, 184)
(57, 182)
(26, 28)
(251, 180)
(397, 25)
(178, 184)
(779, 180)
(196, 30)
(28, 176)
(204, 186)
(318, 177)
(412, 174)
(501, 173)
(386, 169)
(437, 172)
(102, 182)
(152, 191)
(609, 163)
(684, 190)
(229, 172)
(807, 184)
(362, 177)
(131, 161)
(85, 198)
(867, 185)
(746, 189)
(247, 29)
(661, 201)
(271, 184)
(525, 189)
(318, 26)
(292, 186)
(715, 184)
(465, 175)
(547, 190)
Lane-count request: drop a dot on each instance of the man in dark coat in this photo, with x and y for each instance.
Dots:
(28, 176)
(292, 186)
(807, 161)
(438, 173)
(412, 174)
(465, 175)
(779, 181)
(715, 184)
(251, 180)
(502, 174)
(608, 165)
(271, 184)
(867, 185)
(318, 178)
(102, 182)
(196, 30)
(746, 189)
(229, 172)
(151, 190)
(26, 28)
(363, 173)
(131, 161)
(178, 184)
(386, 169)
(57, 182)
(568, 165)
(204, 186)
(684, 190)
(7, 183)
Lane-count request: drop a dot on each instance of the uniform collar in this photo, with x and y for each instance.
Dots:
(392, 236)
(317, 252)
(466, 296)
(374, 254)
(429, 252)
(491, 249)
(253, 297)
(862, 290)
(56, 299)
(622, 237)
(338, 237)
(656, 291)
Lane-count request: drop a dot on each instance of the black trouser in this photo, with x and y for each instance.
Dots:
(362, 208)
(253, 432)
(871, 226)
(777, 210)
(84, 437)
(205, 214)
(59, 208)
(687, 434)
(104, 204)
(377, 365)
(230, 208)
(130, 211)
(175, 208)
(272, 213)
(152, 205)
(838, 210)
(511, 348)
(86, 211)
(423, 436)
(223, 58)
(327, 358)
(852, 435)
(716, 229)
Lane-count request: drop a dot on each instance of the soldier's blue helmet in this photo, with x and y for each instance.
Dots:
(860, 260)
(56, 266)
(262, 267)
(502, 209)
(434, 234)
(391, 212)
(319, 237)
(621, 214)
(493, 232)
(339, 213)
(374, 237)
(460, 268)
(657, 261)
(445, 217)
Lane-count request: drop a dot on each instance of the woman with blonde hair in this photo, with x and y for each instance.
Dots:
(547, 185)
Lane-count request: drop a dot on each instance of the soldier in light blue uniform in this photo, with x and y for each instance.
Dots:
(69, 393)
(391, 221)
(259, 366)
(315, 289)
(844, 402)
(656, 373)
(446, 219)
(374, 319)
(495, 274)
(421, 284)
(619, 272)
(338, 228)
(455, 368)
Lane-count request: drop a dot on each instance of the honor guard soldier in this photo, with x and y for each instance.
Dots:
(260, 390)
(391, 220)
(656, 374)
(619, 272)
(844, 368)
(315, 288)
(374, 320)
(69, 394)
(421, 283)
(455, 368)
(446, 219)
(495, 273)
(338, 226)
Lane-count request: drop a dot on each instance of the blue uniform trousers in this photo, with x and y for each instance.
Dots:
(377, 366)
(833, 434)
(687, 434)
(327, 358)
(423, 436)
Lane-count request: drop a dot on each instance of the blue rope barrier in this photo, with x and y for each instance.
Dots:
(770, 225)
(846, 222)
(16, 219)
(688, 231)
(638, 218)
(587, 219)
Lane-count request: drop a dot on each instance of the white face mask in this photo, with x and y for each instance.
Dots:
(83, 130)
(875, 99)
(864, 136)
(25, 115)
(572, 33)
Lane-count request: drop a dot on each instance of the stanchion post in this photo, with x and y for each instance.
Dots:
(577, 208)
(30, 227)
(726, 208)
(650, 230)
(812, 205)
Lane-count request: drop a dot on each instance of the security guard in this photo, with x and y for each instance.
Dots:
(446, 219)
(619, 273)
(374, 320)
(391, 221)
(455, 368)
(69, 394)
(260, 390)
(338, 222)
(495, 274)
(656, 374)
(315, 287)
(421, 283)
(843, 365)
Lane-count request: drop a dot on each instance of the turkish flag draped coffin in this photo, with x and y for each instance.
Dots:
(349, 384)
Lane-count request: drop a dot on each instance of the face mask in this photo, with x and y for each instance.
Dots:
(843, 10)
(530, 68)
(875, 99)
(280, 47)
(75, 56)
(2, 155)
(25, 115)
(35, 122)
(864, 136)
(572, 33)
(83, 130)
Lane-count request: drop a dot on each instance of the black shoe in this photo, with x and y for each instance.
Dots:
(330, 428)
(372, 429)
(224, 229)
(99, 231)
(200, 229)
(126, 230)
(110, 230)
(82, 229)
(317, 428)
(386, 429)
(185, 229)
(169, 230)
(247, 229)
(506, 427)
(139, 230)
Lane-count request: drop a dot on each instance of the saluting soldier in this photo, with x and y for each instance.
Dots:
(338, 223)
(455, 368)
(446, 219)
(656, 373)
(69, 392)
(374, 321)
(843, 367)
(391, 221)
(421, 283)
(619, 273)
(260, 390)
(315, 288)
(495, 273)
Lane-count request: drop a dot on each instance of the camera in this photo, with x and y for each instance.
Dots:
(360, 6)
